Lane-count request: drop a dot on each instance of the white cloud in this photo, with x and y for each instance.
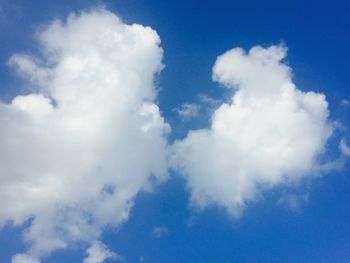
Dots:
(344, 148)
(98, 253)
(187, 110)
(23, 258)
(159, 231)
(270, 134)
(76, 151)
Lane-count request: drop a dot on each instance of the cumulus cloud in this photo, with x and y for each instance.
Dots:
(76, 151)
(268, 135)
(98, 253)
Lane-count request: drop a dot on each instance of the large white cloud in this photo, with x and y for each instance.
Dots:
(268, 135)
(78, 148)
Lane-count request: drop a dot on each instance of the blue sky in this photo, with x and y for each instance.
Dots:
(193, 34)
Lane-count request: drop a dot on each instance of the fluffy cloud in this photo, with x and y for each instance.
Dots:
(269, 134)
(98, 253)
(76, 151)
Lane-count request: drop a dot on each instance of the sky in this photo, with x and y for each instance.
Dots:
(174, 131)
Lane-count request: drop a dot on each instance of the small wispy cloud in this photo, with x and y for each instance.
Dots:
(159, 231)
(187, 111)
(204, 98)
(344, 148)
(24, 258)
(345, 103)
(294, 202)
